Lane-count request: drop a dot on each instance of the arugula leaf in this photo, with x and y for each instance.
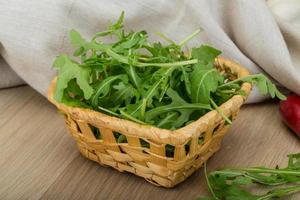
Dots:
(186, 79)
(204, 80)
(115, 29)
(227, 184)
(69, 70)
(205, 53)
(264, 85)
(67, 100)
(133, 40)
(76, 38)
(123, 93)
(136, 80)
(104, 88)
(179, 105)
(79, 42)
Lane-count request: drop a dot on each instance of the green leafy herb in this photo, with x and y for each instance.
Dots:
(229, 184)
(178, 105)
(69, 70)
(122, 74)
(264, 85)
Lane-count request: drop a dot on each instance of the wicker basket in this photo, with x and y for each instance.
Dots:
(151, 161)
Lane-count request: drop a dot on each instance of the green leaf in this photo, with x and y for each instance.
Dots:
(104, 88)
(152, 91)
(119, 23)
(206, 198)
(69, 70)
(229, 183)
(179, 105)
(168, 120)
(67, 100)
(122, 139)
(186, 80)
(115, 29)
(132, 41)
(134, 77)
(76, 38)
(205, 53)
(74, 89)
(60, 61)
(264, 85)
(123, 93)
(294, 161)
(204, 81)
(242, 181)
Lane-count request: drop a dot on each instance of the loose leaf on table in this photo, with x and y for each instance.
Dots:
(228, 184)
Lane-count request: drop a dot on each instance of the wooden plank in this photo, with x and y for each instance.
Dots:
(34, 145)
(12, 100)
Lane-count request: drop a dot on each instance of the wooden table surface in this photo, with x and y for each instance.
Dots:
(39, 159)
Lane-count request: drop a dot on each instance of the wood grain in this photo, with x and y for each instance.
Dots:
(39, 160)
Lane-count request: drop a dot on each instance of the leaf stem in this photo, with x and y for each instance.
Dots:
(215, 106)
(108, 111)
(166, 119)
(188, 38)
(239, 79)
(271, 171)
(131, 118)
(208, 183)
(124, 59)
(143, 108)
(165, 37)
(173, 64)
(153, 88)
(280, 192)
(240, 171)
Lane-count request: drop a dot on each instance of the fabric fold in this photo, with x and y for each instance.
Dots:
(33, 33)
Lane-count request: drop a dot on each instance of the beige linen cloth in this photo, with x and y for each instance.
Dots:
(263, 36)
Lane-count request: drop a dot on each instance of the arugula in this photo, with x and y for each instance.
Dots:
(264, 85)
(204, 81)
(178, 105)
(230, 184)
(104, 88)
(123, 74)
(68, 70)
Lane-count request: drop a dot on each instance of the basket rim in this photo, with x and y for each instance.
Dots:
(178, 136)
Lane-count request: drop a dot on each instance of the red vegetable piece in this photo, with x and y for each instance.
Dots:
(290, 112)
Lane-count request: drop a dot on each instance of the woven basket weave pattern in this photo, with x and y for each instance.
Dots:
(151, 161)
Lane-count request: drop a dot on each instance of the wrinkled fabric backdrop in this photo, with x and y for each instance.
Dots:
(262, 36)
